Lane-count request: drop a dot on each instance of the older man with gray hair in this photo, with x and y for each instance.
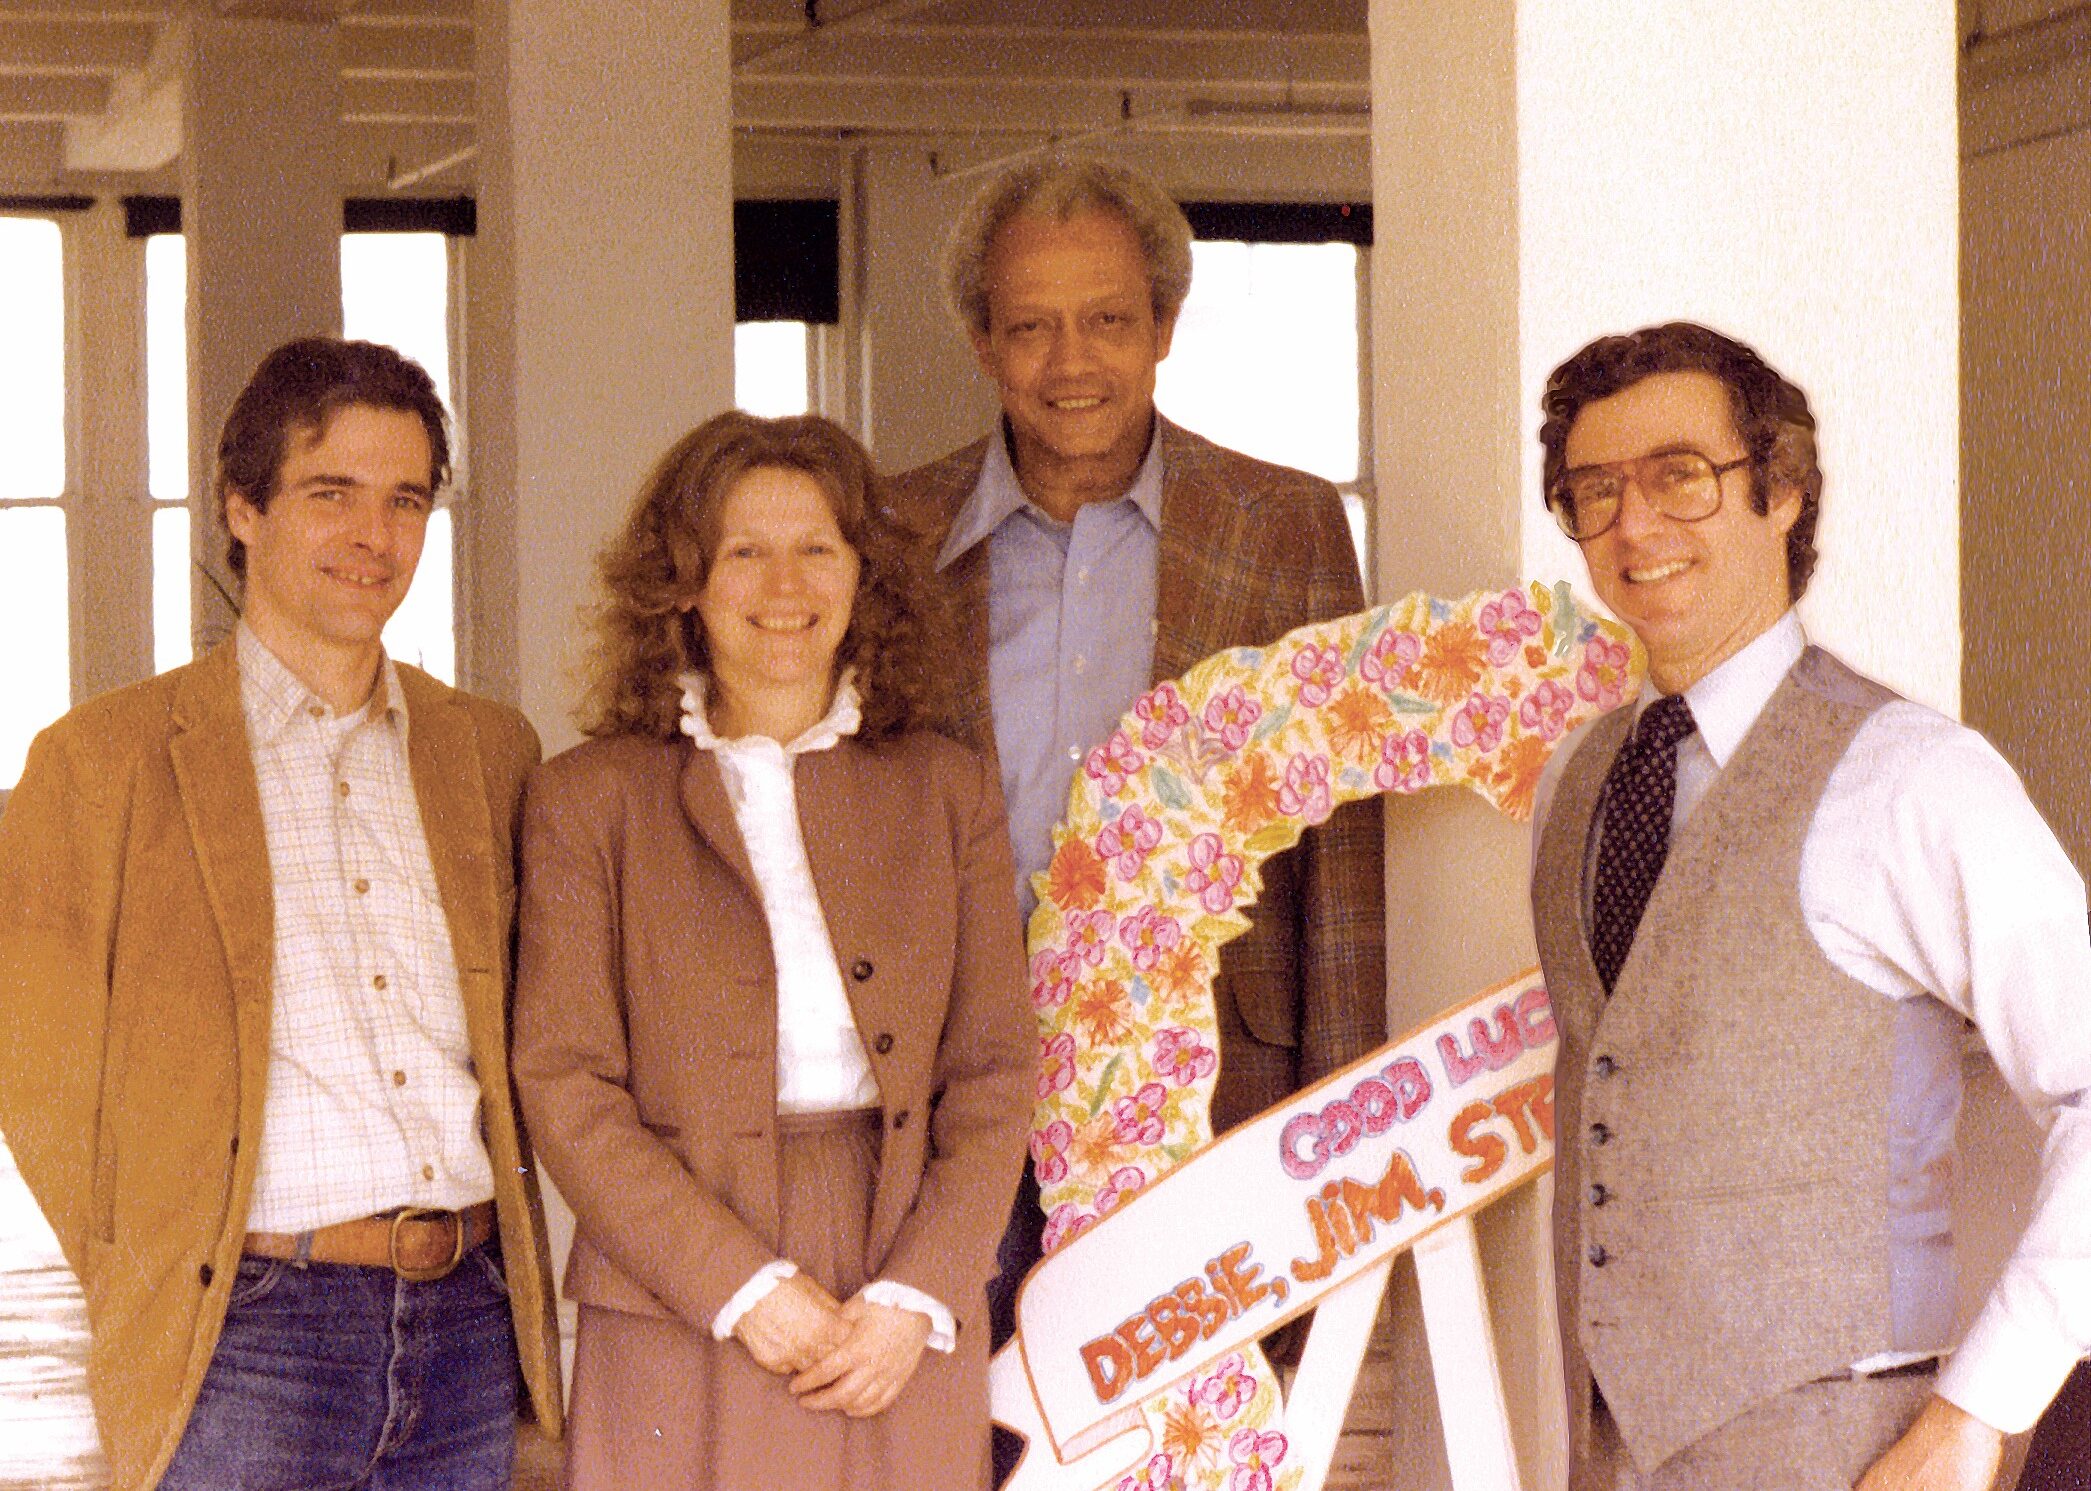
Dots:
(1091, 549)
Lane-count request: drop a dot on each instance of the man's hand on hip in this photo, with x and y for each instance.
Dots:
(1946, 1449)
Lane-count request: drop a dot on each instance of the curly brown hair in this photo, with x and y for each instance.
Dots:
(646, 632)
(1771, 415)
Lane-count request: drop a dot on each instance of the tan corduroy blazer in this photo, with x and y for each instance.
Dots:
(136, 949)
(646, 1017)
(1248, 551)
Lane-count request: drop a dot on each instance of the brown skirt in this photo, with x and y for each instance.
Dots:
(660, 1406)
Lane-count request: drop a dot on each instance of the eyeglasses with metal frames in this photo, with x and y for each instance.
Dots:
(1680, 484)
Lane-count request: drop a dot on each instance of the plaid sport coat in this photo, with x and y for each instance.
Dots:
(1248, 551)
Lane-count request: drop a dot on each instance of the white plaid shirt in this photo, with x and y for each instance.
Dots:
(372, 1101)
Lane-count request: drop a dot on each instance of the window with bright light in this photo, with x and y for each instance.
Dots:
(771, 367)
(395, 288)
(1265, 359)
(33, 581)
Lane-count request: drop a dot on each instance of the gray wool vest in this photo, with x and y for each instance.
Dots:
(1722, 1152)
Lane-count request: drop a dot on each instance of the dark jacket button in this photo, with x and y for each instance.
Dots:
(1599, 1195)
(1604, 1066)
(206, 1274)
(1599, 1134)
(860, 970)
(884, 1043)
(1598, 1256)
(900, 1120)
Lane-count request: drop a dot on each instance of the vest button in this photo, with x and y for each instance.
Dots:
(1600, 1134)
(900, 1120)
(206, 1274)
(1598, 1256)
(884, 1043)
(860, 970)
(1604, 1066)
(1599, 1195)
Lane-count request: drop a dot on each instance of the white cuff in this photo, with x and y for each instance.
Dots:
(751, 1294)
(2004, 1373)
(943, 1329)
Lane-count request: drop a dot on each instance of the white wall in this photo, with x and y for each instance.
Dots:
(1792, 182)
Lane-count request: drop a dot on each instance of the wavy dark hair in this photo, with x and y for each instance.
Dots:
(646, 632)
(1771, 415)
(299, 388)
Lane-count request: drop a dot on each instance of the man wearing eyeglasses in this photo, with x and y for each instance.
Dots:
(1768, 894)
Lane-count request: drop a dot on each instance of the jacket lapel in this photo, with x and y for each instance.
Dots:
(221, 801)
(1195, 519)
(972, 709)
(705, 804)
(449, 786)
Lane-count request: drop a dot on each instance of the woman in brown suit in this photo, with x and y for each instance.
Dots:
(771, 1037)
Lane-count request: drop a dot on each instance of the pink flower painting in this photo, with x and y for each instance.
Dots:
(1178, 1056)
(1404, 763)
(1214, 873)
(1231, 715)
(1505, 622)
(1127, 840)
(1319, 670)
(1161, 714)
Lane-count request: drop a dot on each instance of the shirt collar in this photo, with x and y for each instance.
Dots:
(1726, 702)
(844, 715)
(998, 496)
(272, 696)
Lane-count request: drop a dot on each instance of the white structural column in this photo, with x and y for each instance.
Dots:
(1548, 171)
(923, 392)
(261, 210)
(111, 557)
(600, 323)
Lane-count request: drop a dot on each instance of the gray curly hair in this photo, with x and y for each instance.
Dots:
(1059, 188)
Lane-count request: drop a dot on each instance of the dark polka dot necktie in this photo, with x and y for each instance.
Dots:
(1640, 793)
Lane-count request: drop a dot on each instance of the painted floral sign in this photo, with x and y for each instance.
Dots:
(1167, 828)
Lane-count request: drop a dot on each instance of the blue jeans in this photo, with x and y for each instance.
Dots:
(334, 1377)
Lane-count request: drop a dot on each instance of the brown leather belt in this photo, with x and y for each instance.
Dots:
(417, 1243)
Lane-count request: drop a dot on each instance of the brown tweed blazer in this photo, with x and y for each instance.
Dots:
(136, 949)
(1248, 552)
(646, 1014)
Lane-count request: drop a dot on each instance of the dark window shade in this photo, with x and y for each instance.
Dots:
(1282, 222)
(17, 202)
(456, 216)
(787, 261)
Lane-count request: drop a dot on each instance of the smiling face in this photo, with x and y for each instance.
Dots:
(1694, 593)
(1072, 343)
(775, 604)
(330, 556)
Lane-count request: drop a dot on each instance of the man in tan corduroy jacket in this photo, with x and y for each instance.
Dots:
(254, 973)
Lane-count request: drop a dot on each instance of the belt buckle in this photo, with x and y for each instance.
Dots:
(425, 1213)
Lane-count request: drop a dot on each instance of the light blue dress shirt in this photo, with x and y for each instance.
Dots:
(1070, 634)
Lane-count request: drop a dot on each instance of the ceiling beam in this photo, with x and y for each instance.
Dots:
(1114, 58)
(369, 100)
(1064, 109)
(385, 46)
(140, 129)
(52, 96)
(73, 44)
